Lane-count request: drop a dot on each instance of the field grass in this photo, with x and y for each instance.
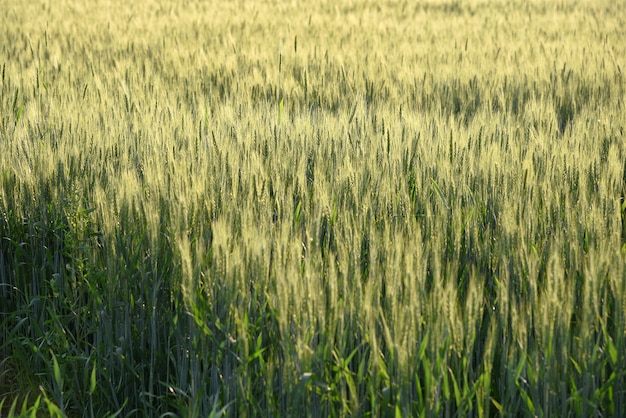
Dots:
(351, 208)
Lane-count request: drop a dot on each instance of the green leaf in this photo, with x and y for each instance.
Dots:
(18, 114)
(13, 407)
(497, 405)
(35, 408)
(520, 367)
(92, 385)
(53, 409)
(348, 359)
(612, 352)
(398, 412)
(351, 385)
(297, 211)
(56, 371)
(258, 353)
(527, 400)
(440, 193)
(422, 349)
(444, 375)
(455, 387)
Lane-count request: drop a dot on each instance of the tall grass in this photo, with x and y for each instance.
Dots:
(333, 209)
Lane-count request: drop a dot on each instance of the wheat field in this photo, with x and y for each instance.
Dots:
(289, 208)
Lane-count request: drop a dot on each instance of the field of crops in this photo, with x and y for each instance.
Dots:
(313, 208)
